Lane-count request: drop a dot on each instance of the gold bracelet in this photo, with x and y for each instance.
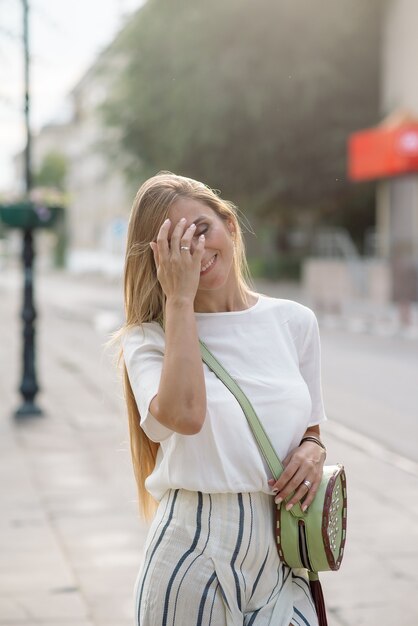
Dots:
(315, 440)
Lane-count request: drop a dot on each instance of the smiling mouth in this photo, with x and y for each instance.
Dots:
(209, 265)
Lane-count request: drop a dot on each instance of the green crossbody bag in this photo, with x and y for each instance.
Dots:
(314, 539)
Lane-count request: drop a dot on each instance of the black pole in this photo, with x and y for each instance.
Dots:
(28, 151)
(29, 386)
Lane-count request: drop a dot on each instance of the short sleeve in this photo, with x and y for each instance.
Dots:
(309, 350)
(143, 353)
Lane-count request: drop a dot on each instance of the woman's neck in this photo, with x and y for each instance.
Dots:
(211, 302)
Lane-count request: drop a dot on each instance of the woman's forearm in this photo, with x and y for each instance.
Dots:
(181, 399)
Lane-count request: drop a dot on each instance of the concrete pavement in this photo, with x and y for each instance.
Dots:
(70, 539)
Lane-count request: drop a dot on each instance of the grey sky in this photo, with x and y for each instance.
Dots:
(66, 36)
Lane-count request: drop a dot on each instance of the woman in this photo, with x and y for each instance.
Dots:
(210, 553)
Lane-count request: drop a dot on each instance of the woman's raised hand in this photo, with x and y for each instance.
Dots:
(178, 271)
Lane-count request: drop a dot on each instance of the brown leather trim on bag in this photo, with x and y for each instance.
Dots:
(334, 564)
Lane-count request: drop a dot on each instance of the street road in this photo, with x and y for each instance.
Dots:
(371, 385)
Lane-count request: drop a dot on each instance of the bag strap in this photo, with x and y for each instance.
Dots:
(256, 426)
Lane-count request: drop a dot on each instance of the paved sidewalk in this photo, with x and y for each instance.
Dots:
(70, 539)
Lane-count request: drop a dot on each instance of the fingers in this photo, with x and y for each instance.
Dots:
(178, 270)
(164, 248)
(187, 237)
(162, 241)
(199, 249)
(291, 482)
(179, 237)
(177, 233)
(311, 494)
(299, 494)
(287, 475)
(300, 490)
(291, 485)
(154, 249)
(303, 492)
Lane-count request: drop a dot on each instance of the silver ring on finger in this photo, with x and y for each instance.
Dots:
(184, 248)
(307, 483)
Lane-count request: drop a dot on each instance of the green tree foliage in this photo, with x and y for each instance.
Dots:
(256, 98)
(53, 171)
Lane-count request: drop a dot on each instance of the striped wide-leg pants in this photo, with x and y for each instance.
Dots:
(212, 559)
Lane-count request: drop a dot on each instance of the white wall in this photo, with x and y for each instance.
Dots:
(399, 84)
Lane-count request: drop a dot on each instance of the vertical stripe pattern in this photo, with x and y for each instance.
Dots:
(211, 560)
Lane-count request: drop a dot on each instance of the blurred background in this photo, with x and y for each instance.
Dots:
(303, 114)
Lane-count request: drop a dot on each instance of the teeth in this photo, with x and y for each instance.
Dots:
(205, 267)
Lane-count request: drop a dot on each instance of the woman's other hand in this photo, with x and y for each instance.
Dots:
(305, 462)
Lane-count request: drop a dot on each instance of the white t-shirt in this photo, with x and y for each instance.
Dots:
(272, 350)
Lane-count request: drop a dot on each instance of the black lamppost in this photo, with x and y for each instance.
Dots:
(29, 385)
(28, 216)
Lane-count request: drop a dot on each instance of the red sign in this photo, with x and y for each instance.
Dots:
(383, 152)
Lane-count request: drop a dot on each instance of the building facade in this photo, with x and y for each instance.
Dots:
(99, 197)
(397, 198)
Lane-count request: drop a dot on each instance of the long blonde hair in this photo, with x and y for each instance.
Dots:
(144, 298)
